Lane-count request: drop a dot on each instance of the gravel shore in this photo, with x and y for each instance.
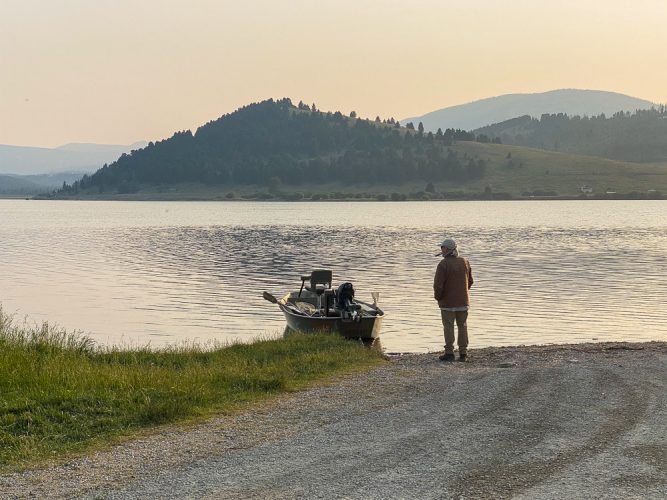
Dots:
(567, 421)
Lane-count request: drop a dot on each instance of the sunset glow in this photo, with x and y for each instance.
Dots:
(123, 71)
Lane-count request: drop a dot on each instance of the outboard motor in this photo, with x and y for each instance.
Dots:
(345, 302)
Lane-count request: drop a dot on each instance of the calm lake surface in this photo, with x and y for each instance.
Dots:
(134, 273)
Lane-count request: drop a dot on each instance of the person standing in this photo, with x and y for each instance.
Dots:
(451, 285)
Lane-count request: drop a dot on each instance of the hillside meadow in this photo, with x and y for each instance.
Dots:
(516, 170)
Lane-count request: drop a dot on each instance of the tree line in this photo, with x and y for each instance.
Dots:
(640, 136)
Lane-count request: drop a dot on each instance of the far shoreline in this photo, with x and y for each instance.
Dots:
(377, 199)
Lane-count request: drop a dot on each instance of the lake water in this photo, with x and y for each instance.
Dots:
(163, 272)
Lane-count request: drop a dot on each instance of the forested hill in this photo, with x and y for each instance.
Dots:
(276, 141)
(637, 137)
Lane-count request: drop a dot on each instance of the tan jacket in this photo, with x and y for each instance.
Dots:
(453, 279)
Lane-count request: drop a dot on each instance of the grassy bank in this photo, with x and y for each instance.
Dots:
(59, 394)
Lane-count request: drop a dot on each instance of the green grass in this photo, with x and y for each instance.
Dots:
(59, 394)
(530, 169)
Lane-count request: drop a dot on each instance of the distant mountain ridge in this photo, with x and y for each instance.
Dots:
(10, 184)
(75, 157)
(85, 147)
(484, 112)
(25, 185)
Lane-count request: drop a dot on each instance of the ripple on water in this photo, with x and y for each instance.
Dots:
(533, 283)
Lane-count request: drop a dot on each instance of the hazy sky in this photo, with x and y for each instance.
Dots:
(119, 71)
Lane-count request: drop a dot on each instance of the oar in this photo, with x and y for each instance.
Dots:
(289, 307)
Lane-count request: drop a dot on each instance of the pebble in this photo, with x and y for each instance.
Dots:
(506, 364)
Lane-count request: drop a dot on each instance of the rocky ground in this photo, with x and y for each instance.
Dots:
(570, 421)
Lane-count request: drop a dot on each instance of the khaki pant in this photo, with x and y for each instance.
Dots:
(461, 318)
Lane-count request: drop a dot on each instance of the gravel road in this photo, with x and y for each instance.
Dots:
(573, 421)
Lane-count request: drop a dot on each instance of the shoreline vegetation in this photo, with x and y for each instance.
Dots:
(60, 394)
(380, 197)
(395, 196)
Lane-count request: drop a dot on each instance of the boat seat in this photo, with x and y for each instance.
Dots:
(320, 281)
(320, 284)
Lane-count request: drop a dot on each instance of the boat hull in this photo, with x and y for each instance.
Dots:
(367, 327)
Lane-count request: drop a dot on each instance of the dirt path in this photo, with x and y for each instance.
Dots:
(582, 421)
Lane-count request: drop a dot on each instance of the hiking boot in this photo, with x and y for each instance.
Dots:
(463, 357)
(448, 356)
